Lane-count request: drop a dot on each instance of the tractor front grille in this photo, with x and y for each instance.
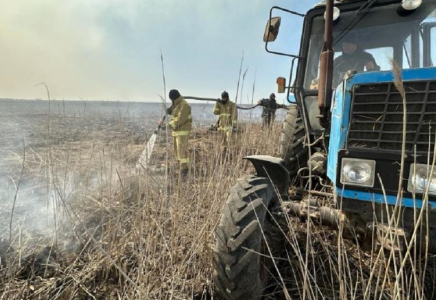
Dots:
(377, 117)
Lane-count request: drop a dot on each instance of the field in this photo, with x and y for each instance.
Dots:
(116, 233)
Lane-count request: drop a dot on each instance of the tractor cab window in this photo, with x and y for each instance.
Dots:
(381, 56)
(370, 43)
(407, 49)
(433, 45)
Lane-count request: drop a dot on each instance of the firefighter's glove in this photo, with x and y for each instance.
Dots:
(162, 126)
(169, 111)
(234, 129)
(220, 102)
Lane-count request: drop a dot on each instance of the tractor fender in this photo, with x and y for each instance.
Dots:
(273, 168)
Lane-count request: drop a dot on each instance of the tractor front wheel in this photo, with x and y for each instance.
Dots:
(250, 236)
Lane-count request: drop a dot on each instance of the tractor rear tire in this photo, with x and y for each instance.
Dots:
(251, 230)
(292, 139)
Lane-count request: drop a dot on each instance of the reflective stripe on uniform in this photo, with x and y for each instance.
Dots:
(184, 160)
(225, 128)
(225, 115)
(181, 133)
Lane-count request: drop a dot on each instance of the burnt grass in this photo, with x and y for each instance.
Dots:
(148, 235)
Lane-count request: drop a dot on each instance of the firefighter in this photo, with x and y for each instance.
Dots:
(181, 125)
(228, 118)
(269, 109)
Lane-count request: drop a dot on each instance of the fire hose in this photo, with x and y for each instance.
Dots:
(216, 100)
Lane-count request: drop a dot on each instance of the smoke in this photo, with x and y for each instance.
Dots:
(50, 166)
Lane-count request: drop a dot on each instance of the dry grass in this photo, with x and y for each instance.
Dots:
(133, 236)
(150, 236)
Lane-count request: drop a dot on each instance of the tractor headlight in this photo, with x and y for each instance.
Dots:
(358, 171)
(420, 177)
(411, 4)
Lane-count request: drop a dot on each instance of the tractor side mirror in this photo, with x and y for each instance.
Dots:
(281, 84)
(272, 29)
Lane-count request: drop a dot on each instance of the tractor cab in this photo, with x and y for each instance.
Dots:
(403, 31)
(383, 29)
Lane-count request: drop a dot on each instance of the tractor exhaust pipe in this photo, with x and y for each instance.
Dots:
(326, 69)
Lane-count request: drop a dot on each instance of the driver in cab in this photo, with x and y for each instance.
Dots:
(353, 58)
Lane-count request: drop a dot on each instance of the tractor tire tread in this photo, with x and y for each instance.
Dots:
(239, 234)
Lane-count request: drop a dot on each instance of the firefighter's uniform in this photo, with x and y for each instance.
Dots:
(181, 124)
(228, 118)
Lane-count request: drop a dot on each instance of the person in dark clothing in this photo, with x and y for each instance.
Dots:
(269, 109)
(352, 58)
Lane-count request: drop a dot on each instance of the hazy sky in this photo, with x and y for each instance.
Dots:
(110, 49)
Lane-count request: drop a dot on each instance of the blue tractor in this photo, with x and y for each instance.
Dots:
(357, 150)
